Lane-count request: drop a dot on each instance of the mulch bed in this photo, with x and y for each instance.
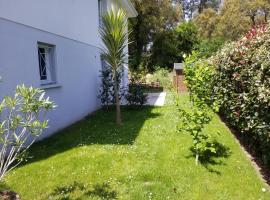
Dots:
(9, 195)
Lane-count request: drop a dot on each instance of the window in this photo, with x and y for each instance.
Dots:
(46, 54)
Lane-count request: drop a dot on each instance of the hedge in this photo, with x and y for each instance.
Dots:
(240, 82)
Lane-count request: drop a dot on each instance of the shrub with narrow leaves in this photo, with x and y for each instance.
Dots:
(23, 119)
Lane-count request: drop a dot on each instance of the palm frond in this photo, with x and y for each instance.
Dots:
(114, 34)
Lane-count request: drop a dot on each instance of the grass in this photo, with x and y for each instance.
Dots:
(143, 159)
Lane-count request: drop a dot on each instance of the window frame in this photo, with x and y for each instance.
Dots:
(50, 63)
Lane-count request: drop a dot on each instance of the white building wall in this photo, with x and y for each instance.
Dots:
(75, 19)
(77, 71)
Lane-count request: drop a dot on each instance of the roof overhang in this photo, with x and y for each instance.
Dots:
(131, 11)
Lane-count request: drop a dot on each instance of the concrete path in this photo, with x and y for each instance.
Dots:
(156, 99)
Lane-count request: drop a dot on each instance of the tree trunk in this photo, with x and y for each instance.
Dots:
(252, 17)
(197, 159)
(117, 101)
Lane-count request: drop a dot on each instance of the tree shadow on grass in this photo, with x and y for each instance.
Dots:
(209, 159)
(102, 191)
(96, 129)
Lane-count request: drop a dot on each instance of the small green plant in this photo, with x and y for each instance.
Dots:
(23, 120)
(198, 75)
(193, 122)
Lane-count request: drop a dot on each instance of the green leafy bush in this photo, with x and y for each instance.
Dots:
(193, 122)
(106, 93)
(242, 85)
(135, 95)
(209, 47)
(199, 80)
(162, 76)
(199, 75)
(23, 120)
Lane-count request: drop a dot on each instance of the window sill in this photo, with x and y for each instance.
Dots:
(50, 86)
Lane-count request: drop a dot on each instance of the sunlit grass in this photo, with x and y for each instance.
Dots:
(146, 158)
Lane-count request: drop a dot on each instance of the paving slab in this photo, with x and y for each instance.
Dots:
(156, 99)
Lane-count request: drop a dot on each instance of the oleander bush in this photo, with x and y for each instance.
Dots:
(23, 119)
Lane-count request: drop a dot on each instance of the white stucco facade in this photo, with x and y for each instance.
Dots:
(71, 26)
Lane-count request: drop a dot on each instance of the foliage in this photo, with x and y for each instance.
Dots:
(206, 23)
(169, 46)
(199, 79)
(162, 76)
(106, 93)
(233, 23)
(232, 19)
(114, 36)
(193, 122)
(242, 86)
(165, 50)
(191, 7)
(255, 8)
(208, 47)
(187, 38)
(23, 120)
(135, 95)
(155, 17)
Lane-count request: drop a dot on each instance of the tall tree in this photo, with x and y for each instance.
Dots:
(191, 7)
(256, 8)
(206, 23)
(232, 21)
(155, 16)
(114, 36)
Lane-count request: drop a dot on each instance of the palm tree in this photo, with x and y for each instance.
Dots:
(114, 35)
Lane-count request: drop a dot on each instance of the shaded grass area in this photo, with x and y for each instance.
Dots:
(146, 158)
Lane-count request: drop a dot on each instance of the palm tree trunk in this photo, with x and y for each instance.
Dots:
(117, 101)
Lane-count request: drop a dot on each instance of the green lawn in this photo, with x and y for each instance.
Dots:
(143, 159)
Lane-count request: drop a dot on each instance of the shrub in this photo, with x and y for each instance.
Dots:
(162, 76)
(24, 119)
(242, 85)
(199, 80)
(193, 122)
(209, 47)
(199, 75)
(135, 95)
(106, 93)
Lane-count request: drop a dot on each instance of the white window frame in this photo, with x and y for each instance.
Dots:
(50, 64)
